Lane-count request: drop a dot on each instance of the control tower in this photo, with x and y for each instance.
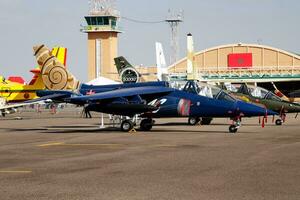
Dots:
(102, 29)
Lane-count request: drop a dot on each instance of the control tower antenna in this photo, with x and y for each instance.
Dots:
(173, 20)
(102, 6)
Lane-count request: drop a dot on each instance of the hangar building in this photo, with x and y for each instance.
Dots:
(243, 63)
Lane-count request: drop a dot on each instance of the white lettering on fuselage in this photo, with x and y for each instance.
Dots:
(157, 103)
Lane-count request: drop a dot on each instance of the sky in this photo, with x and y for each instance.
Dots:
(25, 23)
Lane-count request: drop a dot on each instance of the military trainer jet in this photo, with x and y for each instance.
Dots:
(268, 99)
(156, 100)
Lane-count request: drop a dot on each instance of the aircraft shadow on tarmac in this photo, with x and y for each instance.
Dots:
(108, 130)
(212, 124)
(94, 128)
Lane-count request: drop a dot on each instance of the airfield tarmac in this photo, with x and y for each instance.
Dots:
(63, 156)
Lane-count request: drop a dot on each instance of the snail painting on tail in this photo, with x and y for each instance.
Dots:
(54, 73)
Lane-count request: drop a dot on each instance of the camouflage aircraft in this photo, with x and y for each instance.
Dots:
(268, 99)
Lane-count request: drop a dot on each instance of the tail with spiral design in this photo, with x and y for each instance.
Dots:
(54, 74)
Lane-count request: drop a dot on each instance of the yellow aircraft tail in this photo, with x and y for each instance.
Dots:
(61, 54)
(53, 71)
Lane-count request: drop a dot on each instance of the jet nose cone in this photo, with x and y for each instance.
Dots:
(249, 110)
(293, 107)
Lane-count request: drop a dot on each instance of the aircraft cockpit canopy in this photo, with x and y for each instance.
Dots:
(207, 91)
(263, 93)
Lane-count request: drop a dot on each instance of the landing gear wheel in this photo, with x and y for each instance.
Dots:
(278, 122)
(146, 124)
(193, 120)
(127, 125)
(206, 120)
(233, 128)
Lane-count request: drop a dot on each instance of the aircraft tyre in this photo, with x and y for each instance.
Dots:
(278, 122)
(206, 120)
(193, 120)
(146, 124)
(127, 125)
(233, 128)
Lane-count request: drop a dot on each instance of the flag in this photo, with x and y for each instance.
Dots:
(240, 60)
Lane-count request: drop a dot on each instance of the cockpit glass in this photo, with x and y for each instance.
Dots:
(231, 87)
(215, 91)
(224, 96)
(208, 90)
(272, 96)
(258, 92)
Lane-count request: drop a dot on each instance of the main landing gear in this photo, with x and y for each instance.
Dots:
(203, 121)
(206, 120)
(235, 126)
(193, 120)
(146, 124)
(128, 125)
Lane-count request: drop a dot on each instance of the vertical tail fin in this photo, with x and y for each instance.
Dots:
(161, 65)
(121, 63)
(127, 73)
(53, 72)
(61, 54)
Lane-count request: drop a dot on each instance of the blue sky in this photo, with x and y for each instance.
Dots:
(214, 22)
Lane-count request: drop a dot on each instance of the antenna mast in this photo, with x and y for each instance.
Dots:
(103, 7)
(173, 20)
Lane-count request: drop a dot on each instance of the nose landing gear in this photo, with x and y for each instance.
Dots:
(280, 121)
(235, 126)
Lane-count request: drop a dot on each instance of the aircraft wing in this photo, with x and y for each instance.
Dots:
(33, 101)
(125, 102)
(15, 105)
(144, 92)
(12, 108)
(57, 96)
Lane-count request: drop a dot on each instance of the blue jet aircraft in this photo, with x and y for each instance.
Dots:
(155, 100)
